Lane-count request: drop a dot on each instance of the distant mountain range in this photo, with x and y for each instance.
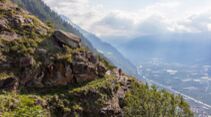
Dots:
(179, 48)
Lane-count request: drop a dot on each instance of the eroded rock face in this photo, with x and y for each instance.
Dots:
(82, 69)
(58, 75)
(86, 67)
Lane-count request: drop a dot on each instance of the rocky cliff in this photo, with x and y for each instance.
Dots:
(48, 73)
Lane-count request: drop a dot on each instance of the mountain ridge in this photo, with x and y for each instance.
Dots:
(176, 48)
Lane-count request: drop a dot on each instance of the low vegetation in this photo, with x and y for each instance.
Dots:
(12, 105)
(146, 101)
(142, 101)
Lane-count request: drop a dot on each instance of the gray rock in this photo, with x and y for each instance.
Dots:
(69, 39)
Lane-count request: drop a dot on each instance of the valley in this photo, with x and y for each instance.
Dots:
(190, 81)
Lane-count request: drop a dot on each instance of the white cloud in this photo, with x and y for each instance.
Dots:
(79, 11)
(162, 16)
(209, 27)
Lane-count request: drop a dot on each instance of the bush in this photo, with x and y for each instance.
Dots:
(145, 101)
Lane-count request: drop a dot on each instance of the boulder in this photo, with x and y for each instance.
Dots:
(9, 84)
(69, 39)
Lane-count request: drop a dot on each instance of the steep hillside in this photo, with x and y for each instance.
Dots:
(48, 73)
(39, 9)
(107, 50)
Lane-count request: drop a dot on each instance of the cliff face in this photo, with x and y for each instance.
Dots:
(48, 73)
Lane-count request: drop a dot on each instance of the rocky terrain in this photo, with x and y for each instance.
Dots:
(46, 72)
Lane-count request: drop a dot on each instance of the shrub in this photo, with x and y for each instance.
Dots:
(145, 101)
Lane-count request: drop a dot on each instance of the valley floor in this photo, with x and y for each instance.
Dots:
(190, 81)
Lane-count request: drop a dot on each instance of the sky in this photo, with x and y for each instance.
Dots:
(130, 19)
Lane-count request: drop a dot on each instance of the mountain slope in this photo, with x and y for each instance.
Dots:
(107, 50)
(39, 9)
(48, 73)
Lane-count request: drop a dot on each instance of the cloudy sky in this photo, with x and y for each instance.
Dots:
(134, 18)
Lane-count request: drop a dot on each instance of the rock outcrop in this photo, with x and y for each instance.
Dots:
(115, 104)
(59, 74)
(69, 39)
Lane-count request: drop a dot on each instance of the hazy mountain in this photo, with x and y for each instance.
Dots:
(186, 49)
